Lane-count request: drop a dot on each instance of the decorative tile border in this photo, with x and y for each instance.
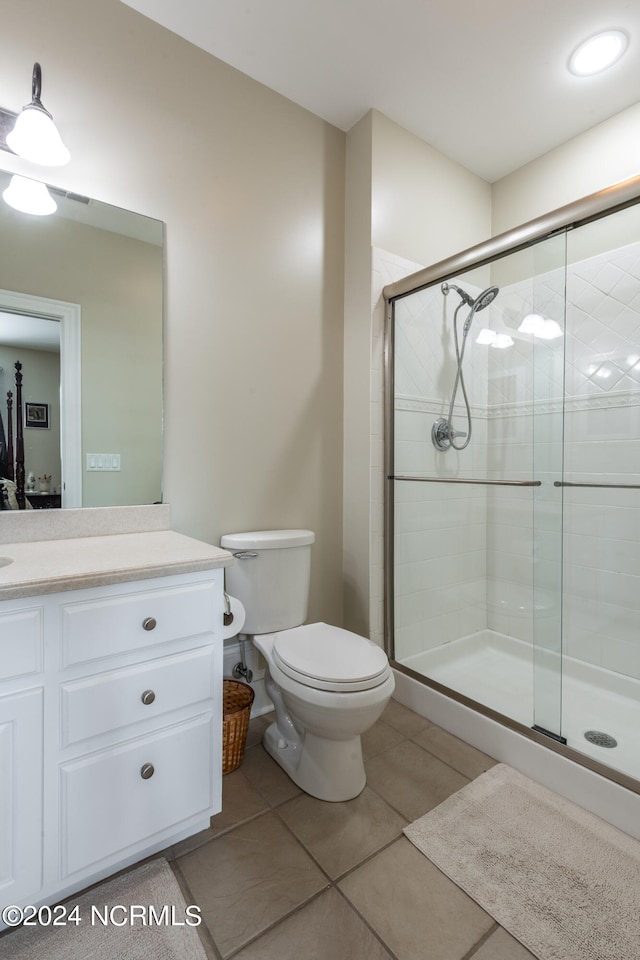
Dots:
(627, 398)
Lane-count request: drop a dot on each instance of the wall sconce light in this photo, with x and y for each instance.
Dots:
(29, 196)
(32, 134)
(493, 339)
(543, 329)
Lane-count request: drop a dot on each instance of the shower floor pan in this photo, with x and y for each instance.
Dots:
(497, 671)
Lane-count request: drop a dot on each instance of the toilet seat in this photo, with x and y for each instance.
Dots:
(329, 658)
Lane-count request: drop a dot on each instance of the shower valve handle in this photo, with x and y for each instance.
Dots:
(442, 435)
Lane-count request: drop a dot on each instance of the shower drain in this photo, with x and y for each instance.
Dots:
(600, 739)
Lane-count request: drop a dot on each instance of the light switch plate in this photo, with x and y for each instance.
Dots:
(103, 462)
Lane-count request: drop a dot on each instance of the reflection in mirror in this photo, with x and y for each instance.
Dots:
(34, 342)
(81, 310)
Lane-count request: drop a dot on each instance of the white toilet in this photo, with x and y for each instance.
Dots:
(328, 686)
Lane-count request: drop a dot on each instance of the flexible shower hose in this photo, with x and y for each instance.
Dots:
(459, 381)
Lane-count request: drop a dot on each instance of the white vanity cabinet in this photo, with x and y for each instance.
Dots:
(110, 728)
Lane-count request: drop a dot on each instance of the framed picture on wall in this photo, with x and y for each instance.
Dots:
(36, 415)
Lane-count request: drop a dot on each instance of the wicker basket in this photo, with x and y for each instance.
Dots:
(237, 699)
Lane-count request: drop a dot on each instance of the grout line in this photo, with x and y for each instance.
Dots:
(206, 937)
(361, 863)
(386, 946)
(483, 939)
(304, 846)
(462, 773)
(276, 923)
(225, 830)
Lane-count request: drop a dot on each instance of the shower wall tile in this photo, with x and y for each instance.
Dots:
(611, 460)
(623, 656)
(408, 642)
(601, 423)
(621, 590)
(583, 632)
(504, 540)
(618, 625)
(433, 634)
(408, 610)
(434, 602)
(620, 556)
(407, 518)
(407, 548)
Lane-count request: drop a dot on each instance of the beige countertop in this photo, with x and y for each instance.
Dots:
(50, 566)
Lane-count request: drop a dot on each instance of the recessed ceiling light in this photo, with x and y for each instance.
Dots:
(597, 53)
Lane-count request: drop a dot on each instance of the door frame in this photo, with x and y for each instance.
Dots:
(69, 317)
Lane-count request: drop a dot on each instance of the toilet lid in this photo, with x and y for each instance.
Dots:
(329, 658)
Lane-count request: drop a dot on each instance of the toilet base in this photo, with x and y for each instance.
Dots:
(330, 770)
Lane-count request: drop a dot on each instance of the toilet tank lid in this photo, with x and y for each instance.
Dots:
(267, 539)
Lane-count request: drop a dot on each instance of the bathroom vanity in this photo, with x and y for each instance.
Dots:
(110, 705)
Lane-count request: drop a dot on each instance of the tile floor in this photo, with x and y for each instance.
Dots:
(282, 876)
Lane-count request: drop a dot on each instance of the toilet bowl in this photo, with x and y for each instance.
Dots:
(328, 686)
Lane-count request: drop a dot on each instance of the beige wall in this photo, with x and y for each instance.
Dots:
(405, 197)
(251, 189)
(599, 158)
(425, 207)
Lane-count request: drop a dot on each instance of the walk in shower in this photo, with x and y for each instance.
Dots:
(513, 491)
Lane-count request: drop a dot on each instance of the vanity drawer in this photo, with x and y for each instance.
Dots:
(106, 702)
(107, 626)
(108, 806)
(20, 643)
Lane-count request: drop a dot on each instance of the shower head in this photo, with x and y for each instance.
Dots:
(481, 301)
(485, 298)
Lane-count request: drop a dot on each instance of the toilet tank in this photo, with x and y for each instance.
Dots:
(270, 577)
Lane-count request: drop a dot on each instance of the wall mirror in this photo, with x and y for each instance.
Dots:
(81, 306)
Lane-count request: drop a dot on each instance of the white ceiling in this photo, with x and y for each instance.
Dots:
(31, 333)
(483, 81)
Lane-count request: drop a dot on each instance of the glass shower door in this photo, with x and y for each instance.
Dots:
(601, 697)
(477, 524)
(547, 323)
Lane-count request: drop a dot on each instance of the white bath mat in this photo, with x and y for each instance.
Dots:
(562, 881)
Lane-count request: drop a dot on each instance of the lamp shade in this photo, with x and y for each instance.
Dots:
(550, 330)
(535, 324)
(29, 196)
(502, 341)
(36, 138)
(532, 323)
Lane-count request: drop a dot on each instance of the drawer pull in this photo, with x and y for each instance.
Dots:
(149, 623)
(146, 771)
(148, 697)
